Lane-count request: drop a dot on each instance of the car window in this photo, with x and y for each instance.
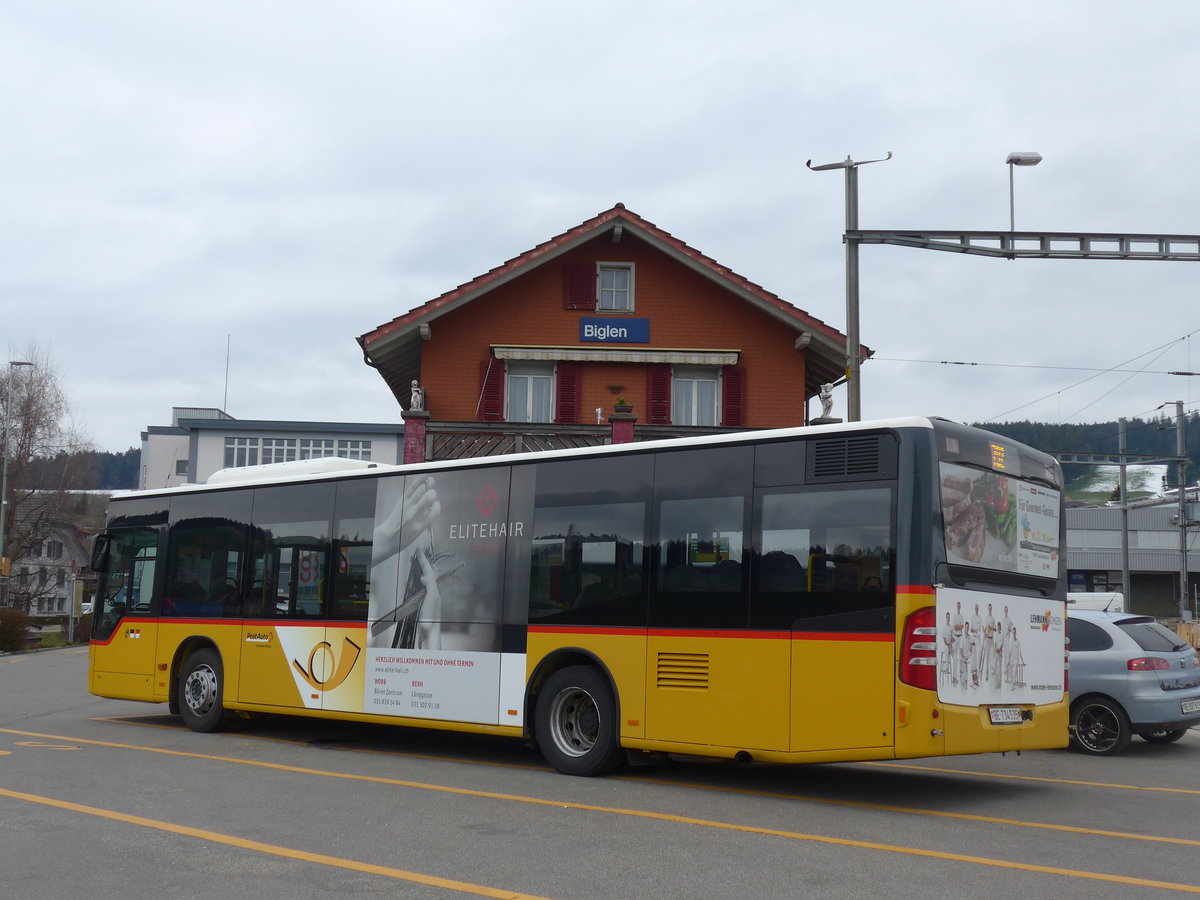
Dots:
(1150, 635)
(1085, 635)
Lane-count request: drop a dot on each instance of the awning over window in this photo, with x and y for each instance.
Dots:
(622, 355)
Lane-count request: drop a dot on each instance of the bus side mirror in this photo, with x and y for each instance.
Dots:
(100, 550)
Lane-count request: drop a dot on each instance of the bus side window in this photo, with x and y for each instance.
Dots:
(207, 549)
(291, 540)
(353, 527)
(700, 510)
(822, 553)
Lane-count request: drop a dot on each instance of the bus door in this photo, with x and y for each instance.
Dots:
(710, 679)
(286, 659)
(824, 571)
(123, 630)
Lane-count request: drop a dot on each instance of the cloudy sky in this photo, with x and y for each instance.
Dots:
(278, 178)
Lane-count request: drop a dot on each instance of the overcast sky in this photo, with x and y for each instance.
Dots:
(285, 176)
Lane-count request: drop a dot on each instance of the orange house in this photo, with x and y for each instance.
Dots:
(615, 309)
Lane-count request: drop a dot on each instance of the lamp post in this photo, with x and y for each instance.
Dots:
(12, 365)
(1017, 159)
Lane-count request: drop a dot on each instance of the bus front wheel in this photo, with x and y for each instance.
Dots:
(200, 690)
(576, 722)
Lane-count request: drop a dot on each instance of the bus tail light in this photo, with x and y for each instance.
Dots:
(918, 650)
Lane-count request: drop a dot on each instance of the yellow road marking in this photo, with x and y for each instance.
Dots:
(132, 720)
(915, 811)
(274, 850)
(650, 815)
(1034, 778)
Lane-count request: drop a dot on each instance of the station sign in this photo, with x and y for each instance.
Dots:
(613, 330)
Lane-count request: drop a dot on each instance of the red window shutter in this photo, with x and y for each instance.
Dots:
(579, 286)
(491, 391)
(568, 383)
(733, 396)
(658, 393)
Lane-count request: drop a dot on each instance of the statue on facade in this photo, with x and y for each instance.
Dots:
(826, 400)
(416, 400)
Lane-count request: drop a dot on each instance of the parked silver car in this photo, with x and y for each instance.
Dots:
(1129, 675)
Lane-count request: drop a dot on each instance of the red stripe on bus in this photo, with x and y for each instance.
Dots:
(914, 589)
(253, 623)
(588, 629)
(870, 636)
(882, 637)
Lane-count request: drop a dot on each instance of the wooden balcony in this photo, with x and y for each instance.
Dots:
(463, 440)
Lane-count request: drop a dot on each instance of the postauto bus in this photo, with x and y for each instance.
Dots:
(876, 590)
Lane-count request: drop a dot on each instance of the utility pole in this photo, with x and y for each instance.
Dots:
(1123, 448)
(853, 343)
(1181, 451)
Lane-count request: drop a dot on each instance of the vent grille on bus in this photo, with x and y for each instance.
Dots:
(685, 671)
(853, 458)
(846, 456)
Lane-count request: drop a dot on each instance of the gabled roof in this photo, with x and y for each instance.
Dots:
(394, 346)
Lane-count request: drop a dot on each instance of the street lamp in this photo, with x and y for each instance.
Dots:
(12, 365)
(1017, 159)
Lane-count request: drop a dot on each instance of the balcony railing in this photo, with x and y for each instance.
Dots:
(463, 440)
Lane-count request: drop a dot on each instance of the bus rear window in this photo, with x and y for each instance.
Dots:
(995, 521)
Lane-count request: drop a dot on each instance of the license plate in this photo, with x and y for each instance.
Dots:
(1005, 715)
(1190, 706)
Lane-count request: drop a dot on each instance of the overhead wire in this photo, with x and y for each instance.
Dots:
(1159, 351)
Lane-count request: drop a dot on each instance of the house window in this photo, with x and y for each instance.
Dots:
(54, 550)
(316, 448)
(61, 577)
(241, 452)
(354, 449)
(530, 393)
(277, 450)
(694, 394)
(614, 290)
(181, 466)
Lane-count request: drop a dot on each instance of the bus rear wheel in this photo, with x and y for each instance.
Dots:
(576, 722)
(200, 691)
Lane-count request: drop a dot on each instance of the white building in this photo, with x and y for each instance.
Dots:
(200, 440)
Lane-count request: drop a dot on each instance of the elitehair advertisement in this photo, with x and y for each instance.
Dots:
(996, 522)
(437, 577)
(997, 648)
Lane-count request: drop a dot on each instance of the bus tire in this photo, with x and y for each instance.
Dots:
(576, 722)
(1099, 726)
(201, 687)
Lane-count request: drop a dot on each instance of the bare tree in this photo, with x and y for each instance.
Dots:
(40, 428)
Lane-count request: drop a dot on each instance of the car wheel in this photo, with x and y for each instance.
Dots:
(200, 691)
(1099, 726)
(576, 722)
(1164, 737)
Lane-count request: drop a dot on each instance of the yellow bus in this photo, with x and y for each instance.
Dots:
(877, 590)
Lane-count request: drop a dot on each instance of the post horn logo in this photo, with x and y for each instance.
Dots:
(350, 654)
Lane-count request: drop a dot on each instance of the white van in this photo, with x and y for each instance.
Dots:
(1113, 601)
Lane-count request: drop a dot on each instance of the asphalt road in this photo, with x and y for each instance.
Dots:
(110, 799)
